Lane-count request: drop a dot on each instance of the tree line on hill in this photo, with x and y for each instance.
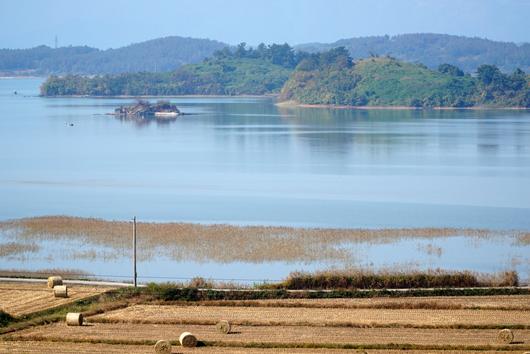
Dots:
(169, 53)
(157, 55)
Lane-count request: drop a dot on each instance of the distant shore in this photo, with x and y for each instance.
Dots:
(294, 104)
(160, 96)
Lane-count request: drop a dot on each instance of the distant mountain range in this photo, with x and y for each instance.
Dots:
(157, 55)
(169, 53)
(435, 49)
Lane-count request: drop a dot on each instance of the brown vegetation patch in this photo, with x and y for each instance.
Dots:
(318, 316)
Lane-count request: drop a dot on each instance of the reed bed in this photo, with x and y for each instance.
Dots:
(44, 273)
(361, 279)
(11, 249)
(226, 243)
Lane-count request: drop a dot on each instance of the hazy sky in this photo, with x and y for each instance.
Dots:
(114, 23)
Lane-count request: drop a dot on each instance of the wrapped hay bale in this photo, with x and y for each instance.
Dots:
(188, 340)
(163, 347)
(74, 319)
(223, 326)
(54, 281)
(505, 336)
(60, 291)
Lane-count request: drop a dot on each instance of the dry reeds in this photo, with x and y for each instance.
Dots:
(505, 336)
(361, 279)
(60, 291)
(11, 249)
(163, 347)
(223, 326)
(54, 281)
(74, 319)
(188, 340)
(225, 243)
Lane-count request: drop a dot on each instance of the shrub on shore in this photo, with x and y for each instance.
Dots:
(5, 318)
(359, 279)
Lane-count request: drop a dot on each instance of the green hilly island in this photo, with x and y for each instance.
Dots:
(325, 78)
(332, 78)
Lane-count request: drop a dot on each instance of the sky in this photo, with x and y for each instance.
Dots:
(115, 23)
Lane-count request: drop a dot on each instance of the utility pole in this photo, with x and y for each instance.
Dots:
(134, 252)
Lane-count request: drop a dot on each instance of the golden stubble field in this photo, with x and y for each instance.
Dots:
(87, 348)
(20, 299)
(465, 325)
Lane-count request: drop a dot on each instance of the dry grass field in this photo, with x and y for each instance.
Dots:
(21, 299)
(378, 325)
(512, 302)
(269, 334)
(435, 325)
(315, 316)
(88, 348)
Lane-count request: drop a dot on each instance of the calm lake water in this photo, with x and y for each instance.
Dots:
(247, 161)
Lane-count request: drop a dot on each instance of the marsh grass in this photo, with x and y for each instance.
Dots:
(44, 273)
(225, 243)
(11, 249)
(361, 279)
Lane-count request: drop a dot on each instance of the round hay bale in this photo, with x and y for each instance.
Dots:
(505, 336)
(163, 347)
(223, 326)
(188, 340)
(74, 319)
(54, 281)
(60, 291)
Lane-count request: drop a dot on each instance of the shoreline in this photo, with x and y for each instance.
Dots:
(294, 104)
(162, 97)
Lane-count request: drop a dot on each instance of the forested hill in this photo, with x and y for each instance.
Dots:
(157, 55)
(330, 78)
(230, 71)
(435, 49)
(333, 78)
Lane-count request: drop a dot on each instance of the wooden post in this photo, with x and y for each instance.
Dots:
(134, 252)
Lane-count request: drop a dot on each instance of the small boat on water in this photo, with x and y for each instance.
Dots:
(144, 109)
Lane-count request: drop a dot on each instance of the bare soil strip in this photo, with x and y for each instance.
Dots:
(88, 348)
(22, 299)
(317, 316)
(273, 335)
(513, 302)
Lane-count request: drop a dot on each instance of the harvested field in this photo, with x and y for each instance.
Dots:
(315, 316)
(21, 299)
(87, 348)
(140, 333)
(512, 302)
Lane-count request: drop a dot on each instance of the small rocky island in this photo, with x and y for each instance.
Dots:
(144, 109)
